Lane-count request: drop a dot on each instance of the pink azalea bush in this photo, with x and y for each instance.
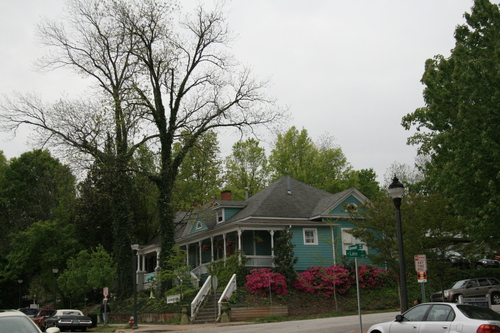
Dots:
(323, 280)
(371, 277)
(259, 280)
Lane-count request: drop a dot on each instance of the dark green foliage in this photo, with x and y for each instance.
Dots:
(284, 257)
(225, 268)
(459, 125)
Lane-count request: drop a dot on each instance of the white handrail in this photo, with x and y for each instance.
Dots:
(227, 293)
(200, 297)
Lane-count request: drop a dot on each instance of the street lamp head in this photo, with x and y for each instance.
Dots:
(55, 270)
(20, 281)
(396, 191)
(134, 246)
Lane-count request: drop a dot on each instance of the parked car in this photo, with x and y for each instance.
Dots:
(15, 321)
(478, 287)
(68, 320)
(39, 318)
(487, 263)
(457, 260)
(30, 312)
(442, 317)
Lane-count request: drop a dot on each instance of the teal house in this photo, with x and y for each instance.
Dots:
(319, 221)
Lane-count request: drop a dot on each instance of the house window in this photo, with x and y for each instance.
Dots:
(348, 240)
(199, 225)
(310, 236)
(351, 208)
(220, 216)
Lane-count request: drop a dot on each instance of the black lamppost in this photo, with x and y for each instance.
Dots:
(55, 270)
(135, 247)
(396, 190)
(20, 282)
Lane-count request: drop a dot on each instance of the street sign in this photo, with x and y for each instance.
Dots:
(356, 253)
(356, 247)
(420, 263)
(422, 277)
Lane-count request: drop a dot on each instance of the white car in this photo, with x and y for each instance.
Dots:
(442, 318)
(14, 321)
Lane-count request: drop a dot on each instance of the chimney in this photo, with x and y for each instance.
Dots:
(225, 195)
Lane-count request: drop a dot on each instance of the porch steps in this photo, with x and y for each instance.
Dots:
(208, 311)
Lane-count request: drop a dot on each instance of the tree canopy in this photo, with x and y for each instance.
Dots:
(458, 126)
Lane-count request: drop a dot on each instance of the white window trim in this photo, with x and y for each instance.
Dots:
(199, 225)
(220, 216)
(315, 235)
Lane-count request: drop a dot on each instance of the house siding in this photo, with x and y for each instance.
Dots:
(230, 212)
(312, 255)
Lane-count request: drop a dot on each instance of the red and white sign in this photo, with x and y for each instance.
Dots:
(422, 277)
(420, 263)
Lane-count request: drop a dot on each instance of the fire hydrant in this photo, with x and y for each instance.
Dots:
(131, 321)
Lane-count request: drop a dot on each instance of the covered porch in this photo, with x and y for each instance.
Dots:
(257, 245)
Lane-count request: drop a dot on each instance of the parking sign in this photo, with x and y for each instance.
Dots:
(420, 263)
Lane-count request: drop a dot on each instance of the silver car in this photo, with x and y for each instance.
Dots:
(442, 317)
(14, 321)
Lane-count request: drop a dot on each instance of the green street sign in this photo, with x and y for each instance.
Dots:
(356, 253)
(356, 247)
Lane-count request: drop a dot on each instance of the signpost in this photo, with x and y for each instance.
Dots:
(421, 268)
(356, 251)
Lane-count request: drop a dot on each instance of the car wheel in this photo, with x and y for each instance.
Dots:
(479, 266)
(455, 298)
(495, 298)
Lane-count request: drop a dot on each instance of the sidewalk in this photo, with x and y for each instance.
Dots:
(169, 328)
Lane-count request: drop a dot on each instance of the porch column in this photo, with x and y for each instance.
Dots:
(224, 241)
(212, 248)
(157, 260)
(239, 244)
(187, 254)
(272, 246)
(141, 265)
(199, 252)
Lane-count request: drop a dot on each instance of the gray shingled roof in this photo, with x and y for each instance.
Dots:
(286, 198)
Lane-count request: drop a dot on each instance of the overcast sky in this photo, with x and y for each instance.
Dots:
(348, 69)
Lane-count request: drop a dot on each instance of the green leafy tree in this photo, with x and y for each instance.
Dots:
(36, 187)
(199, 178)
(86, 271)
(37, 249)
(366, 182)
(323, 166)
(246, 169)
(458, 127)
(428, 228)
(284, 257)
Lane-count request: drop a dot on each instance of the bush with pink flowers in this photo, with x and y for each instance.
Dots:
(323, 280)
(259, 280)
(371, 277)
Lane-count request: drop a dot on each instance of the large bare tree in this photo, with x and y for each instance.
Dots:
(161, 81)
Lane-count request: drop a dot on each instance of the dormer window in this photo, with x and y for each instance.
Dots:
(199, 225)
(220, 216)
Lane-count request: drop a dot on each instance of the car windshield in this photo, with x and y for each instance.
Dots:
(70, 313)
(18, 324)
(458, 284)
(475, 312)
(29, 311)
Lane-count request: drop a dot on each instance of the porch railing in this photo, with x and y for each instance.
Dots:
(200, 297)
(259, 261)
(227, 293)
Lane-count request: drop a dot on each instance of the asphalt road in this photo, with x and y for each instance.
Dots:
(330, 325)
